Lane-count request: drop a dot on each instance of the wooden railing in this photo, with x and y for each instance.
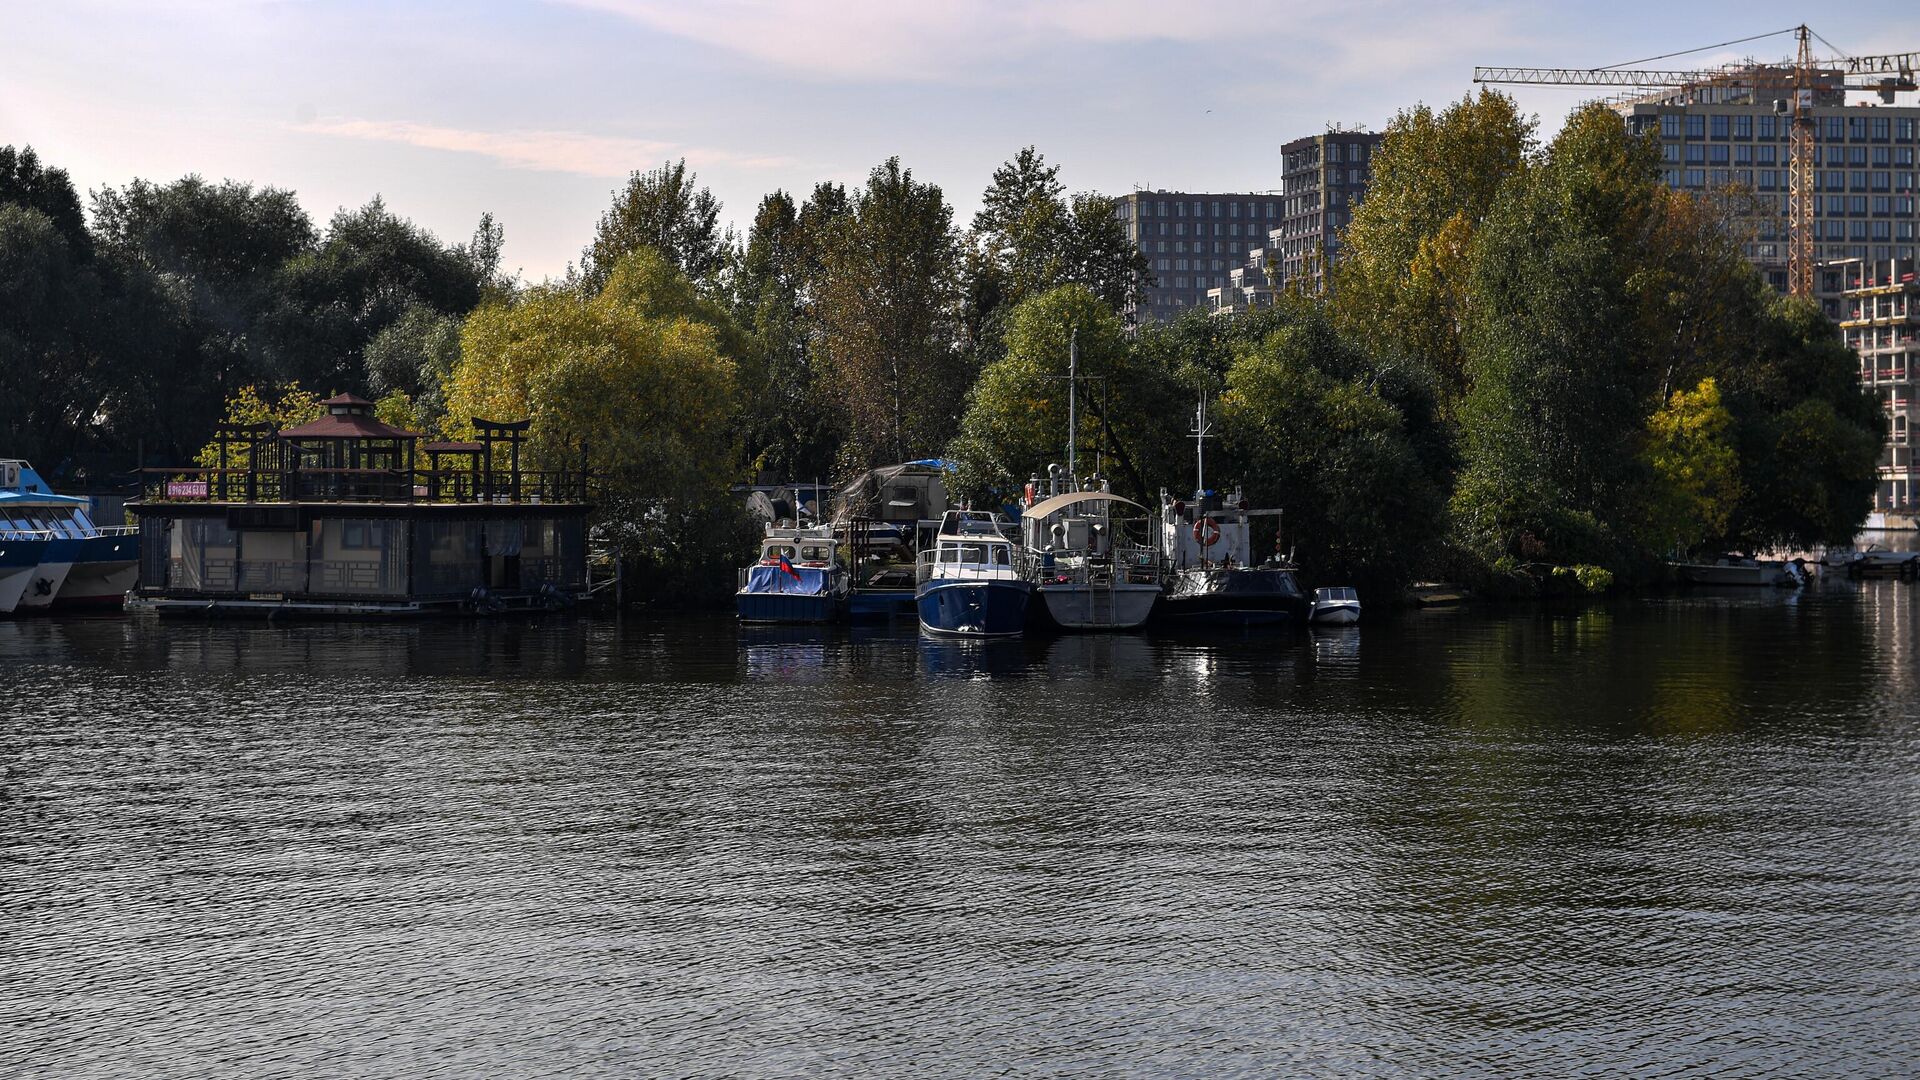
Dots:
(362, 486)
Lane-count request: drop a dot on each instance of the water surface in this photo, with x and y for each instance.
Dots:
(1675, 836)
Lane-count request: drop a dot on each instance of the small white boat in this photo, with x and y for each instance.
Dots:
(1735, 570)
(1874, 561)
(1337, 606)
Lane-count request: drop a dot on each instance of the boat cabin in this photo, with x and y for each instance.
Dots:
(350, 515)
(970, 545)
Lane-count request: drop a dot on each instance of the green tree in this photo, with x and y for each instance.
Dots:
(215, 249)
(884, 307)
(24, 181)
(1402, 280)
(1016, 418)
(1028, 237)
(328, 304)
(414, 356)
(1560, 383)
(663, 209)
(50, 300)
(1809, 437)
(635, 378)
(1308, 429)
(1695, 467)
(788, 424)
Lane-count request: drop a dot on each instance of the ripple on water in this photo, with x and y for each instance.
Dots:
(1668, 837)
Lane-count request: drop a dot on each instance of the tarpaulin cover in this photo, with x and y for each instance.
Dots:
(772, 579)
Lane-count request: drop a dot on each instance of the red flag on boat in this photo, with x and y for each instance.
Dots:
(788, 567)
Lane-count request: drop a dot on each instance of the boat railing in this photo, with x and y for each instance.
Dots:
(362, 485)
(28, 534)
(118, 530)
(1020, 567)
(1129, 564)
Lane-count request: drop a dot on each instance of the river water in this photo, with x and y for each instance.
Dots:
(1675, 836)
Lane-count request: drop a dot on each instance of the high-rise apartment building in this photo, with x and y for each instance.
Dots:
(1192, 242)
(1323, 178)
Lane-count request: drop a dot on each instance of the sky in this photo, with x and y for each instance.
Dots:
(538, 111)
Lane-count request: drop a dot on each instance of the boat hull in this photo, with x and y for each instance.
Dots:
(1759, 575)
(788, 607)
(13, 581)
(1234, 599)
(43, 584)
(880, 604)
(1098, 607)
(1336, 614)
(996, 608)
(106, 568)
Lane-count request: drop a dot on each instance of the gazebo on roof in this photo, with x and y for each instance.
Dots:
(349, 436)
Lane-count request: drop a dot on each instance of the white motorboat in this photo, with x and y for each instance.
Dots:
(1735, 570)
(1336, 606)
(1874, 561)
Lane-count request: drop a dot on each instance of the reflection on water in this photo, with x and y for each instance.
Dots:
(1675, 835)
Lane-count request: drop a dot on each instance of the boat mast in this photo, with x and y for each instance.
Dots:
(1201, 433)
(1073, 416)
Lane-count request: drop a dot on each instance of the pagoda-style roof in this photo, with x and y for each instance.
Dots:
(348, 426)
(348, 417)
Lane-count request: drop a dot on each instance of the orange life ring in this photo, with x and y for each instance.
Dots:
(1205, 532)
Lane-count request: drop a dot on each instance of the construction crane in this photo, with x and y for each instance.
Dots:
(1799, 80)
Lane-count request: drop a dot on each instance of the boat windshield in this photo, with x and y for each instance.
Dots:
(980, 554)
(1338, 594)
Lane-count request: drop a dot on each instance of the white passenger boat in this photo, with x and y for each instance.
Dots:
(52, 554)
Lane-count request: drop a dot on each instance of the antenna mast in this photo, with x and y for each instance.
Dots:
(1073, 416)
(1202, 431)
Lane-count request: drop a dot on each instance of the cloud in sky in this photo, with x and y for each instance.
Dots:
(574, 152)
(986, 41)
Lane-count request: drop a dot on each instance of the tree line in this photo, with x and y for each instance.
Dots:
(1531, 359)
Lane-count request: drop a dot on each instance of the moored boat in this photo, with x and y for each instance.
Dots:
(1207, 547)
(55, 555)
(1734, 570)
(1086, 573)
(969, 583)
(798, 578)
(1336, 606)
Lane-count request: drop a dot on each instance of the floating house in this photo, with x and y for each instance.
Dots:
(348, 515)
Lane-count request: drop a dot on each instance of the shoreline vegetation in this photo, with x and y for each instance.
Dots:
(1535, 371)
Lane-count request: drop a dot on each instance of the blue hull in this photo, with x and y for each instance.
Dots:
(787, 607)
(880, 604)
(974, 608)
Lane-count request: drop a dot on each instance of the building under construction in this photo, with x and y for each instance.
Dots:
(1877, 305)
(1735, 134)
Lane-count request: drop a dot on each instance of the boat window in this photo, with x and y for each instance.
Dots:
(772, 552)
(816, 553)
(1002, 555)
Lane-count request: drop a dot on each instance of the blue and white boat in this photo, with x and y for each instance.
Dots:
(971, 582)
(798, 578)
(52, 554)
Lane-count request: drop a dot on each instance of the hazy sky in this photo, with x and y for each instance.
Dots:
(536, 111)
